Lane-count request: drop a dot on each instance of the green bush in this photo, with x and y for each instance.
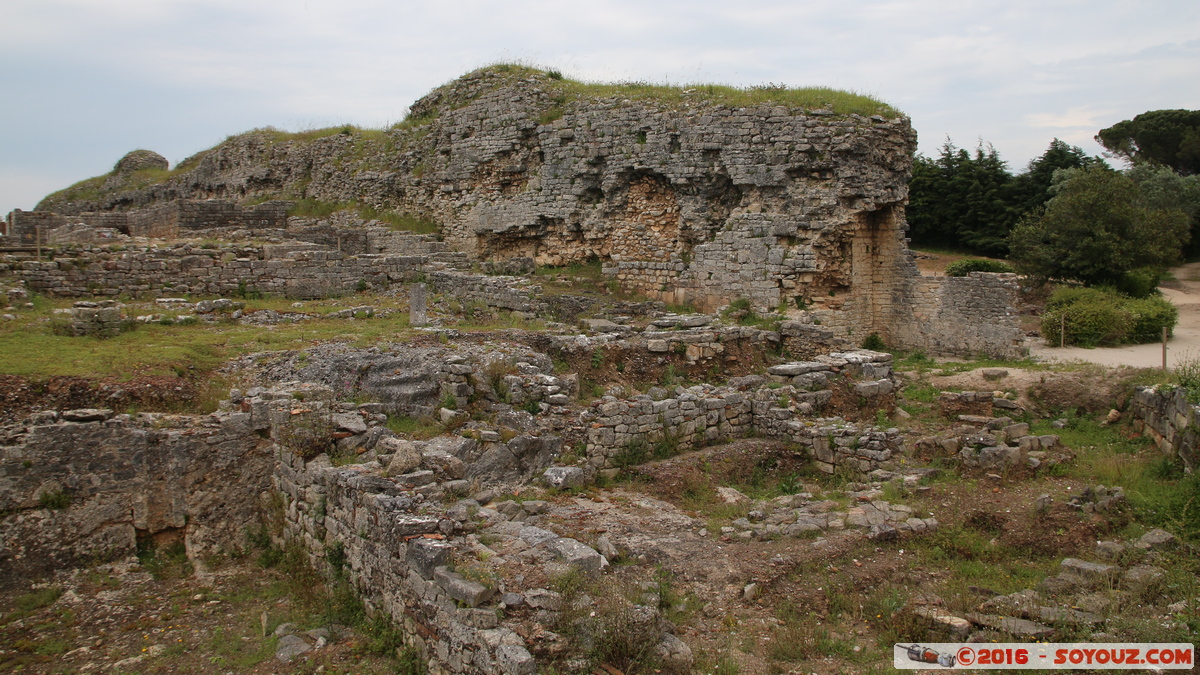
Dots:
(961, 268)
(1088, 324)
(874, 343)
(1150, 316)
(1139, 283)
(1096, 317)
(1069, 295)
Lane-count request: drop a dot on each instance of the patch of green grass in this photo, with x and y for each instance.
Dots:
(31, 349)
(419, 428)
(37, 599)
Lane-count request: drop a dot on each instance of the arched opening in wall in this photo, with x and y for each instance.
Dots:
(873, 269)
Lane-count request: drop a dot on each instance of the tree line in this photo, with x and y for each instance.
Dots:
(1069, 216)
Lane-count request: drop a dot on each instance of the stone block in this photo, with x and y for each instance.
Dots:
(563, 477)
(425, 555)
(578, 554)
(470, 593)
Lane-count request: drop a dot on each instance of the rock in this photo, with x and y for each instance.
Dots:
(1113, 417)
(1109, 550)
(468, 592)
(750, 592)
(282, 629)
(1152, 540)
(673, 654)
(1062, 584)
(289, 647)
(564, 477)
(1091, 573)
(883, 532)
(731, 496)
(352, 422)
(578, 554)
(514, 660)
(797, 368)
(535, 536)
(957, 626)
(512, 600)
(540, 598)
(1142, 580)
(87, 415)
(426, 555)
(993, 374)
(1006, 624)
(444, 465)
(606, 548)
(406, 455)
(1043, 502)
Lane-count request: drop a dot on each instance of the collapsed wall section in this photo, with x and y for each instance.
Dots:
(87, 485)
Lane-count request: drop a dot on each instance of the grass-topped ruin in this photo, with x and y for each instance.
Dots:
(555, 377)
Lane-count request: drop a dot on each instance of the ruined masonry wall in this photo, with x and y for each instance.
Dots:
(695, 418)
(974, 314)
(151, 475)
(1166, 416)
(307, 274)
(377, 525)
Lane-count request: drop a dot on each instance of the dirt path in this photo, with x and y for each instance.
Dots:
(1184, 292)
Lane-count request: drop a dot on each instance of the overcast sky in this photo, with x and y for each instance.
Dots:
(84, 81)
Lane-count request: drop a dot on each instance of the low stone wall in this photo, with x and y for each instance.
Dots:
(783, 411)
(85, 485)
(512, 293)
(1164, 415)
(306, 274)
(382, 530)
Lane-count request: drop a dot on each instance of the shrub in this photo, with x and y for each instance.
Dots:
(1088, 324)
(54, 500)
(1139, 283)
(874, 343)
(961, 268)
(1094, 317)
(1150, 316)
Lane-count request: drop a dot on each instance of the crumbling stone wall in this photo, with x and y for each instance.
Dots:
(685, 201)
(86, 485)
(157, 220)
(1165, 415)
(212, 271)
(784, 410)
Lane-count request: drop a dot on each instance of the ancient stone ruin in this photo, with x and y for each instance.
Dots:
(514, 429)
(687, 201)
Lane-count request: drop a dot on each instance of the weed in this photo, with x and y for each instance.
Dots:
(57, 499)
(633, 454)
(38, 598)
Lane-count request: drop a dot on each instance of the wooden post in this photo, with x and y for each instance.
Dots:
(1062, 331)
(1164, 339)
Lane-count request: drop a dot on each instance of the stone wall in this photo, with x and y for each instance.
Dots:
(160, 220)
(619, 429)
(85, 485)
(975, 314)
(212, 271)
(1165, 415)
(684, 201)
